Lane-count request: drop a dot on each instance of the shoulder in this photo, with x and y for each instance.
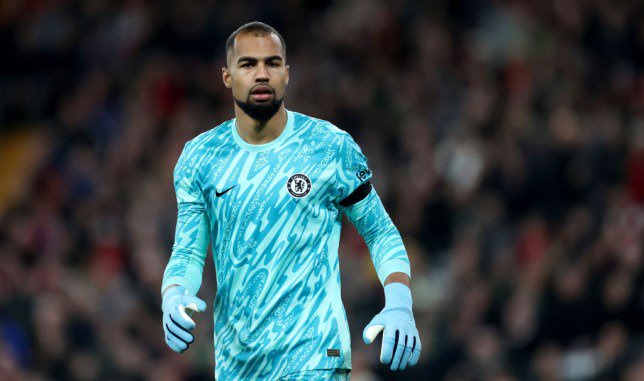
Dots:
(197, 148)
(320, 129)
(212, 136)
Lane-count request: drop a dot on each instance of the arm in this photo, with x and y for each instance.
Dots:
(185, 267)
(363, 207)
(192, 234)
(183, 273)
(401, 342)
(385, 245)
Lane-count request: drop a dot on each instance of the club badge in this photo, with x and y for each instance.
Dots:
(298, 185)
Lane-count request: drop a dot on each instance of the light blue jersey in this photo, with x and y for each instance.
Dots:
(272, 215)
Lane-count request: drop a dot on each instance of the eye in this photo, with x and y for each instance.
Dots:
(274, 64)
(245, 65)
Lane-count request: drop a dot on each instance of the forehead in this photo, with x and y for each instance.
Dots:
(250, 45)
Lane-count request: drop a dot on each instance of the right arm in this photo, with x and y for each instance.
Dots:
(192, 234)
(182, 276)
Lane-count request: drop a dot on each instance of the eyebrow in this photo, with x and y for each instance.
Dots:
(253, 59)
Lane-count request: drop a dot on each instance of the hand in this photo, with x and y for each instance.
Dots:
(177, 323)
(400, 341)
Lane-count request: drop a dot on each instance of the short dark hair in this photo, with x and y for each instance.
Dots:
(256, 28)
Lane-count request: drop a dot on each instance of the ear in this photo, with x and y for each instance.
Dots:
(225, 76)
(287, 73)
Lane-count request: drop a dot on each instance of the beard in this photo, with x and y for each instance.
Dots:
(260, 111)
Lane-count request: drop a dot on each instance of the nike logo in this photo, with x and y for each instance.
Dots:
(219, 194)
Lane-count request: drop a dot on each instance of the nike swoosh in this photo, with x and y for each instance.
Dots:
(219, 194)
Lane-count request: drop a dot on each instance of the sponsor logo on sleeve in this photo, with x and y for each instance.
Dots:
(363, 175)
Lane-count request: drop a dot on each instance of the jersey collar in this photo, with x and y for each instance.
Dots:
(266, 146)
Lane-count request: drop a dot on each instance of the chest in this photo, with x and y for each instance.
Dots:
(299, 179)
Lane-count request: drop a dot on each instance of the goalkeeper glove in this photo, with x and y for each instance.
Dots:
(177, 323)
(400, 342)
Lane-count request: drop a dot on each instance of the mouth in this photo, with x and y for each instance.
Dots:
(261, 93)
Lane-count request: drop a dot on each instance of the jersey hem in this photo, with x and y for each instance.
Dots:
(342, 367)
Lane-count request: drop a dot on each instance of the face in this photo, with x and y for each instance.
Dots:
(257, 74)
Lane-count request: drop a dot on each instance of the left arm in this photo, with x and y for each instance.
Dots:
(385, 245)
(401, 342)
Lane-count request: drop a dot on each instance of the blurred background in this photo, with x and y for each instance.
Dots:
(506, 139)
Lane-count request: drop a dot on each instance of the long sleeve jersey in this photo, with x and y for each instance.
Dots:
(272, 213)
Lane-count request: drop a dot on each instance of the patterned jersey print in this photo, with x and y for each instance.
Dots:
(271, 213)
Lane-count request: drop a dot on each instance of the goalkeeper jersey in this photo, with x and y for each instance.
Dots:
(272, 215)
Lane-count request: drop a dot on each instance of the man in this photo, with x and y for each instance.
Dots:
(268, 188)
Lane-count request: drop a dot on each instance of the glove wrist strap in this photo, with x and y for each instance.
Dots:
(170, 293)
(397, 295)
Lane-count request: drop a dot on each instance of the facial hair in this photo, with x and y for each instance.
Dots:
(260, 111)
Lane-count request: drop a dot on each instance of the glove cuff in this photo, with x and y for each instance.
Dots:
(397, 295)
(170, 293)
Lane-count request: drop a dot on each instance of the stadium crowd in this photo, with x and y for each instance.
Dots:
(506, 139)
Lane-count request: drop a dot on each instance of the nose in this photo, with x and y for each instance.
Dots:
(262, 73)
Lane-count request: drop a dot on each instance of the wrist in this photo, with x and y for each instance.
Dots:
(170, 293)
(397, 295)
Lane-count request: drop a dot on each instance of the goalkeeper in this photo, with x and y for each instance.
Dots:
(267, 190)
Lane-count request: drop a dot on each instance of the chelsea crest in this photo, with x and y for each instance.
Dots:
(298, 185)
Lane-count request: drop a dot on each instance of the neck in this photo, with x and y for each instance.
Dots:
(260, 132)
